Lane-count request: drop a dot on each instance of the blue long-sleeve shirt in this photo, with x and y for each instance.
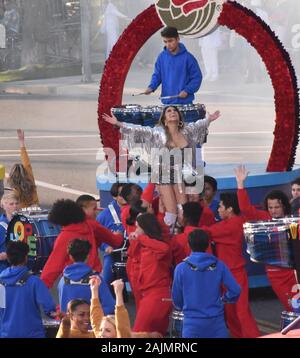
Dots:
(197, 286)
(68, 292)
(20, 315)
(176, 73)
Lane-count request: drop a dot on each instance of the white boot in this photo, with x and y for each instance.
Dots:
(170, 220)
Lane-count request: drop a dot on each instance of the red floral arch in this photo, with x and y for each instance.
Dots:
(256, 32)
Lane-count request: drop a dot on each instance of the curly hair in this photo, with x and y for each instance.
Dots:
(282, 199)
(65, 212)
(21, 181)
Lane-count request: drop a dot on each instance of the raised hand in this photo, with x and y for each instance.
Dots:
(95, 282)
(212, 117)
(21, 137)
(241, 174)
(118, 286)
(112, 120)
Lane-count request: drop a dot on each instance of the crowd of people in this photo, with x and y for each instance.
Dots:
(184, 248)
(199, 269)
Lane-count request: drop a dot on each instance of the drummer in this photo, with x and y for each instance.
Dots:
(177, 70)
(110, 218)
(10, 203)
(277, 206)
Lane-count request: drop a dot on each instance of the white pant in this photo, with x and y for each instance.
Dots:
(211, 64)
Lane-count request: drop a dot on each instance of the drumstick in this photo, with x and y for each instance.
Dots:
(290, 326)
(167, 299)
(169, 97)
(137, 94)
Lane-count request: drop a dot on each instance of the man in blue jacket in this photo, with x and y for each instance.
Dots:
(75, 280)
(110, 218)
(21, 295)
(176, 70)
(198, 290)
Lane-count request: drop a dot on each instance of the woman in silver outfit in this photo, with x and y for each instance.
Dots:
(171, 134)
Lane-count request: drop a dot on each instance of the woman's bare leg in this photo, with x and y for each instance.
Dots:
(180, 195)
(181, 198)
(168, 197)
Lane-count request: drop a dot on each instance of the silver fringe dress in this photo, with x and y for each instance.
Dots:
(154, 140)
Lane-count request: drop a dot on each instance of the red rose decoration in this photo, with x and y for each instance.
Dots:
(189, 5)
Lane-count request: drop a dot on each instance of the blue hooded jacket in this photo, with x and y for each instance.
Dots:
(197, 286)
(68, 292)
(20, 315)
(3, 223)
(176, 73)
(106, 219)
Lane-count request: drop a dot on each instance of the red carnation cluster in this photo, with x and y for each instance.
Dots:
(117, 67)
(282, 74)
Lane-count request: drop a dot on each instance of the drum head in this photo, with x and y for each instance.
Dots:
(38, 233)
(19, 229)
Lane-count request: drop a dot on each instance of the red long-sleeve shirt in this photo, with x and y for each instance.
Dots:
(155, 263)
(248, 210)
(228, 236)
(207, 217)
(89, 230)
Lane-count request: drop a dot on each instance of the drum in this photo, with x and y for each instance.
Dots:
(176, 323)
(130, 113)
(287, 318)
(119, 271)
(119, 257)
(51, 327)
(192, 112)
(34, 228)
(149, 115)
(270, 242)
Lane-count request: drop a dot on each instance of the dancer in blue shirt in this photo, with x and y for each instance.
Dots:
(21, 295)
(75, 280)
(197, 290)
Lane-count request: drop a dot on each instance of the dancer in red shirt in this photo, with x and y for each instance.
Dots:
(154, 276)
(192, 213)
(277, 206)
(75, 225)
